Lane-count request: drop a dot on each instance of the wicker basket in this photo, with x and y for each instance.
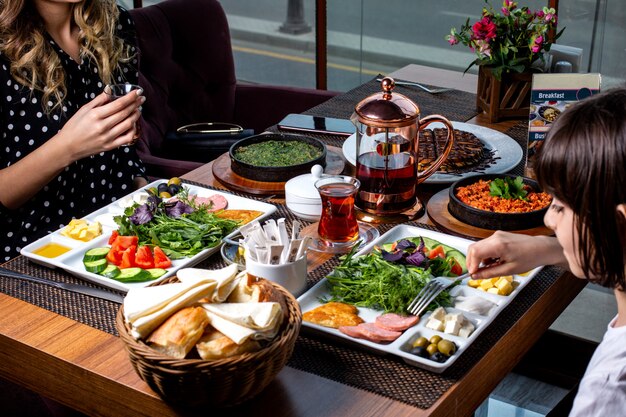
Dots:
(220, 383)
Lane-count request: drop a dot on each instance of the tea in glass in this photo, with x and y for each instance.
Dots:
(338, 222)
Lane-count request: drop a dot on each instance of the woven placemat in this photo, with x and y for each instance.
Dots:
(387, 376)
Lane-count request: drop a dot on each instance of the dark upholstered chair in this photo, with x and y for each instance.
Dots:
(188, 75)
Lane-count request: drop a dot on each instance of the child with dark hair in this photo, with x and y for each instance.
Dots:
(582, 165)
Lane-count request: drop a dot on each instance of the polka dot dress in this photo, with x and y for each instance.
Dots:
(85, 185)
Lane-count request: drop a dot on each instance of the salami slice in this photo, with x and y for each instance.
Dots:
(396, 322)
(215, 202)
(371, 332)
(376, 334)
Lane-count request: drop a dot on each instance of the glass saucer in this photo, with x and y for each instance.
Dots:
(367, 233)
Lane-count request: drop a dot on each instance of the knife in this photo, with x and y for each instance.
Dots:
(82, 289)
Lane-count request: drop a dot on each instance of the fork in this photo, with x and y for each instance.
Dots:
(428, 90)
(431, 290)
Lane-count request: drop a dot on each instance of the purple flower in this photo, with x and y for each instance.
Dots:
(178, 209)
(417, 258)
(142, 215)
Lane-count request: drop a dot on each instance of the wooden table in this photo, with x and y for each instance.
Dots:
(89, 370)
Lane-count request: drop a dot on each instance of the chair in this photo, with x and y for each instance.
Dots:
(188, 75)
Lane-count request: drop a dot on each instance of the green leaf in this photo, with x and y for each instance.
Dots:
(508, 188)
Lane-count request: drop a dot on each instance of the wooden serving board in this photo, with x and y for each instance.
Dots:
(335, 163)
(437, 209)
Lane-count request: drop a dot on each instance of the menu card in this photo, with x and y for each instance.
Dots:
(551, 94)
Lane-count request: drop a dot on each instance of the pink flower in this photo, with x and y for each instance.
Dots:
(452, 40)
(483, 47)
(484, 29)
(540, 14)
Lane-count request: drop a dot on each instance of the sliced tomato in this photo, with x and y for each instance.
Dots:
(437, 252)
(128, 257)
(143, 257)
(114, 236)
(456, 268)
(114, 257)
(124, 242)
(160, 258)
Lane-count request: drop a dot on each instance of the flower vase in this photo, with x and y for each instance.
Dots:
(508, 98)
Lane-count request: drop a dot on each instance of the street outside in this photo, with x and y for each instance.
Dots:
(370, 38)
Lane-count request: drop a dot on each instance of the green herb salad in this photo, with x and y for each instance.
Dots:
(389, 277)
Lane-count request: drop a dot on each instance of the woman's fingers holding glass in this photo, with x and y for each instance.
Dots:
(115, 91)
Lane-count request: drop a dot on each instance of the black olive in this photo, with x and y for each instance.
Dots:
(173, 189)
(162, 188)
(438, 357)
(419, 351)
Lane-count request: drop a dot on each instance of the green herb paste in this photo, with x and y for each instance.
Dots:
(275, 153)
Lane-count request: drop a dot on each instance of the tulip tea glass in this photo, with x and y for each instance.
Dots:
(115, 91)
(338, 225)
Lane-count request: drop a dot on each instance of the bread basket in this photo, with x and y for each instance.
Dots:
(220, 383)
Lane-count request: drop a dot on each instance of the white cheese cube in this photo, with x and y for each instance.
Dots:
(435, 324)
(467, 329)
(452, 327)
(439, 313)
(458, 317)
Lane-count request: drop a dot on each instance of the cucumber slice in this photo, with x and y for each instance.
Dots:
(96, 266)
(459, 257)
(95, 254)
(111, 271)
(156, 272)
(133, 275)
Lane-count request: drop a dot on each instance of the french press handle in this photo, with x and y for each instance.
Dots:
(423, 123)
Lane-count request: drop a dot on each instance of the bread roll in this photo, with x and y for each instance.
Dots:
(214, 345)
(257, 290)
(180, 332)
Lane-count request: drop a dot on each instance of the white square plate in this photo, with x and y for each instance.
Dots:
(401, 346)
(72, 261)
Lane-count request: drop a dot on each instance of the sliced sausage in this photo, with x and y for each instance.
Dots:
(215, 202)
(396, 322)
(371, 332)
(376, 334)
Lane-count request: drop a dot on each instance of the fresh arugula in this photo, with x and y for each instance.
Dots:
(508, 188)
(182, 228)
(373, 282)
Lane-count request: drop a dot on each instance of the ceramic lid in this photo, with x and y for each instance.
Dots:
(387, 109)
(303, 186)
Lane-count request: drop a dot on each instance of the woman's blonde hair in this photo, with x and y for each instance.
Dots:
(33, 61)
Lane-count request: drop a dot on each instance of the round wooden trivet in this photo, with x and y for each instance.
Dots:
(335, 163)
(437, 209)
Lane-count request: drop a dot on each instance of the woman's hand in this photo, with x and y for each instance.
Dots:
(98, 126)
(516, 253)
(102, 125)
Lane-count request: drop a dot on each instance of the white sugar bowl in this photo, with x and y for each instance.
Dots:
(301, 196)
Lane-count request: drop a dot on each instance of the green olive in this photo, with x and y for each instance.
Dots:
(420, 342)
(446, 347)
(174, 180)
(435, 339)
(164, 194)
(432, 348)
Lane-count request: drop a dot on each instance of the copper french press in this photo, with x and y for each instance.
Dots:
(387, 150)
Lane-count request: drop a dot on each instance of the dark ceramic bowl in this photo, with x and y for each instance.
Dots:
(490, 220)
(274, 173)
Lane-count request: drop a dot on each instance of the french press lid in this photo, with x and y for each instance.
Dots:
(387, 109)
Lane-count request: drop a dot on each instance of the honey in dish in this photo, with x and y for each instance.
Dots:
(51, 250)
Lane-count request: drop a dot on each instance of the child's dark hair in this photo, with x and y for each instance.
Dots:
(583, 164)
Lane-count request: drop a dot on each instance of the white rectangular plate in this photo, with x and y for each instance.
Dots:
(72, 261)
(401, 346)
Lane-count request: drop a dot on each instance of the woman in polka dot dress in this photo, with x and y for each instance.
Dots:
(62, 152)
